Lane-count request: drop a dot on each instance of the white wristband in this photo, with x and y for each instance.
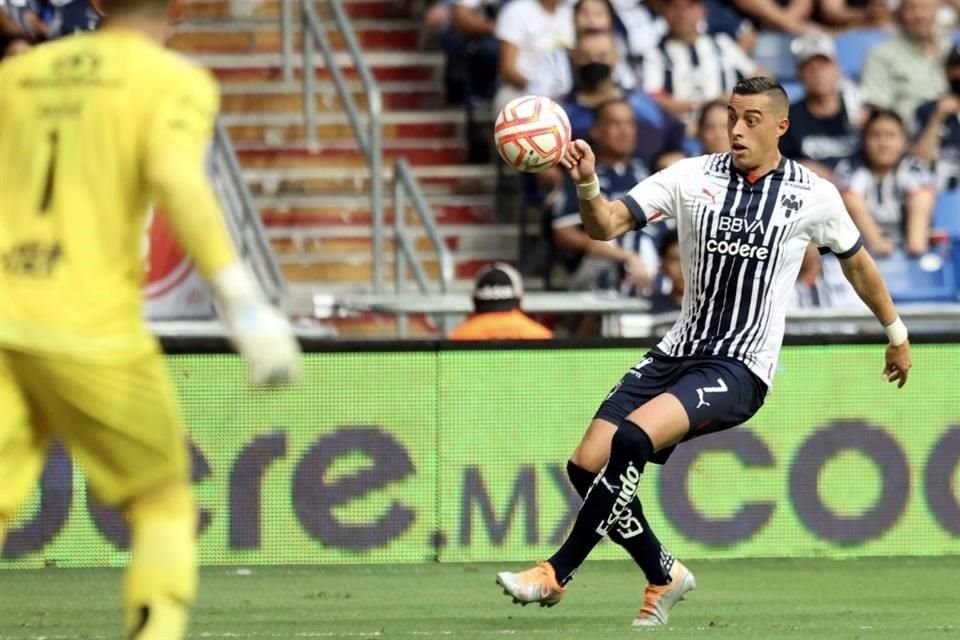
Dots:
(589, 190)
(896, 332)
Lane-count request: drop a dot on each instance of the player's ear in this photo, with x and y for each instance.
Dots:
(783, 126)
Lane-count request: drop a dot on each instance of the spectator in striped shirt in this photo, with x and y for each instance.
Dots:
(690, 67)
(889, 195)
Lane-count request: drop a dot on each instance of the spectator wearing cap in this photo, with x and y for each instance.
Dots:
(903, 73)
(938, 121)
(496, 303)
(690, 68)
(823, 127)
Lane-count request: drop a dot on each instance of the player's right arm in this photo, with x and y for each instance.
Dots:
(602, 219)
(179, 131)
(650, 200)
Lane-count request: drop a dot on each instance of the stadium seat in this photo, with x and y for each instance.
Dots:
(853, 46)
(930, 278)
(946, 215)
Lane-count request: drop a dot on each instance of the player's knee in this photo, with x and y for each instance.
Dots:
(630, 438)
(580, 478)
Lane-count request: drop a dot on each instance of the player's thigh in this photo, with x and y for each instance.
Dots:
(121, 421)
(642, 383)
(23, 442)
(717, 395)
(664, 420)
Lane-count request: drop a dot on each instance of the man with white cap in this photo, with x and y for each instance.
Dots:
(823, 124)
(496, 303)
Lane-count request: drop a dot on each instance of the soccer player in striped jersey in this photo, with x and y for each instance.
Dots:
(744, 221)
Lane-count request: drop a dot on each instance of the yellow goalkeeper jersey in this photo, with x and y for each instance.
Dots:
(95, 129)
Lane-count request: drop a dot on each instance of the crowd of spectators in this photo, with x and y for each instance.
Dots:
(874, 85)
(25, 23)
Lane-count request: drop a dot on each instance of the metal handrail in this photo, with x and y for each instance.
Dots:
(369, 138)
(286, 32)
(405, 186)
(243, 218)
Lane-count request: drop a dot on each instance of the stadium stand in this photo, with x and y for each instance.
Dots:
(314, 199)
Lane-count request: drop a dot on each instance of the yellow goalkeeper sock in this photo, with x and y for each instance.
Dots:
(161, 580)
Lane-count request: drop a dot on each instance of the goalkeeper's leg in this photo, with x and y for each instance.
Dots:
(23, 447)
(161, 580)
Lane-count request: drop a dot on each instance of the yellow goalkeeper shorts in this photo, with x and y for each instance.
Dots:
(120, 421)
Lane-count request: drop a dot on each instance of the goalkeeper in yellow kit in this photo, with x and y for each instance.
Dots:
(94, 129)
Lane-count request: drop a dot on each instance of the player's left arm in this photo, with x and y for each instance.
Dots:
(863, 274)
(837, 233)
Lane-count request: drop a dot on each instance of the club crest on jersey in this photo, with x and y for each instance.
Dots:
(791, 204)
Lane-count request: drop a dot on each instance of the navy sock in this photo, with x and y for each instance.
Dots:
(607, 500)
(632, 531)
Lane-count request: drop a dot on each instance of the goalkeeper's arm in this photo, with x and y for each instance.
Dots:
(177, 178)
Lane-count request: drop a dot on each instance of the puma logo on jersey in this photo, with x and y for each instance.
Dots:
(709, 194)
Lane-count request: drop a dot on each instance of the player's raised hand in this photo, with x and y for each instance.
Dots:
(897, 364)
(579, 160)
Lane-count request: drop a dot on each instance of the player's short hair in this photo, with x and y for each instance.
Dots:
(763, 85)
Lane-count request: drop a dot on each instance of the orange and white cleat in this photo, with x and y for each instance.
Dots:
(659, 599)
(538, 584)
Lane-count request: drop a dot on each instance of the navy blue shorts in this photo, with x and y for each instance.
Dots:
(718, 393)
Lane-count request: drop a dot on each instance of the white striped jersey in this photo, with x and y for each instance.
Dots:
(886, 197)
(704, 70)
(742, 240)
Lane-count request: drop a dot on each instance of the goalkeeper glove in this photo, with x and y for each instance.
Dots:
(258, 331)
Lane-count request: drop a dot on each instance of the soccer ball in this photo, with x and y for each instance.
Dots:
(531, 133)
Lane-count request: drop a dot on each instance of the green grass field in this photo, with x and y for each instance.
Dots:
(902, 599)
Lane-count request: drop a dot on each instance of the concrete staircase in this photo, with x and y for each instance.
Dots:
(315, 203)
